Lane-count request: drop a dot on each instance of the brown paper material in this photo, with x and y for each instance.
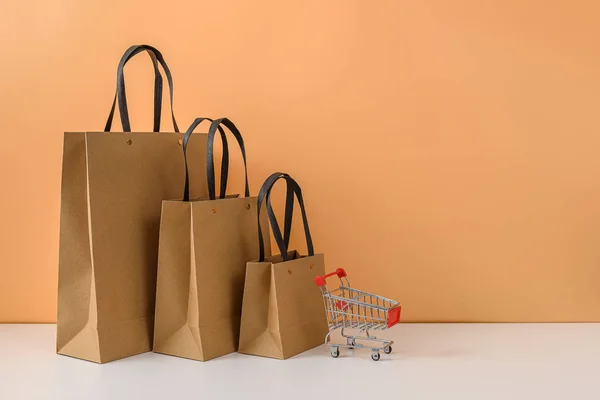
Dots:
(203, 251)
(283, 313)
(113, 185)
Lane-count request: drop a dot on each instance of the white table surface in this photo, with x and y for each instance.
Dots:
(430, 361)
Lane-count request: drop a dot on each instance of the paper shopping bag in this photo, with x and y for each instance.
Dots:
(113, 185)
(282, 312)
(203, 251)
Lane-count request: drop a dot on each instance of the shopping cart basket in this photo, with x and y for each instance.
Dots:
(357, 311)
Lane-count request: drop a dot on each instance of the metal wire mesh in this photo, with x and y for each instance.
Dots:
(352, 308)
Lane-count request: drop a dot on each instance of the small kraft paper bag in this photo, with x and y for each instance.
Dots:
(282, 312)
(113, 184)
(203, 250)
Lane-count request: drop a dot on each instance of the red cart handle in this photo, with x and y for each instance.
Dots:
(320, 280)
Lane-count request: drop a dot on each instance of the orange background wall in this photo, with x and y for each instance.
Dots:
(448, 150)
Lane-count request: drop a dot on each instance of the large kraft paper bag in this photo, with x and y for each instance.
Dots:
(204, 247)
(113, 185)
(282, 312)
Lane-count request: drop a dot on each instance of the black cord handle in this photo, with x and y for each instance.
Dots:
(282, 242)
(121, 85)
(158, 87)
(224, 161)
(210, 164)
(121, 97)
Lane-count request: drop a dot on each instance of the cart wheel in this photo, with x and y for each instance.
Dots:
(375, 356)
(351, 342)
(335, 352)
(387, 350)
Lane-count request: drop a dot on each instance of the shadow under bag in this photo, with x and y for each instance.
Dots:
(203, 251)
(112, 188)
(282, 313)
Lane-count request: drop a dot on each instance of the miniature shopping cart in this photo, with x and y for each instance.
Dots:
(356, 312)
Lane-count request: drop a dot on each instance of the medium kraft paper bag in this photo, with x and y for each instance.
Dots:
(282, 312)
(204, 247)
(113, 185)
